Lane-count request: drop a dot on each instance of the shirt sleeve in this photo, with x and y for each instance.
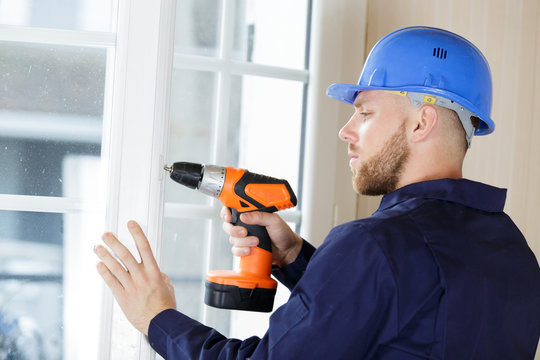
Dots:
(342, 305)
(174, 335)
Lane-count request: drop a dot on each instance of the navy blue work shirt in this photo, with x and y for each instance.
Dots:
(437, 272)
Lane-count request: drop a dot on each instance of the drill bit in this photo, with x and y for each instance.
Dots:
(167, 168)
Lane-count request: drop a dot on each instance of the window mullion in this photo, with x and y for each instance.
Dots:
(49, 204)
(205, 63)
(57, 37)
(189, 211)
(58, 127)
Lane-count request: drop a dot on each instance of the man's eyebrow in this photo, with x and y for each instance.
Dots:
(358, 103)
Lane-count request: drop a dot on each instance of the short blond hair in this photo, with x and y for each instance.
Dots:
(453, 129)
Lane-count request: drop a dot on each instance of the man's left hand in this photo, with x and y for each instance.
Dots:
(141, 289)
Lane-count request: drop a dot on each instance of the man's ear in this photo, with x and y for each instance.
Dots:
(425, 123)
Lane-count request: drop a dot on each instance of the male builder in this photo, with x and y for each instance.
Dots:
(437, 272)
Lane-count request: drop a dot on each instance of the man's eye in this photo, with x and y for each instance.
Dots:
(365, 114)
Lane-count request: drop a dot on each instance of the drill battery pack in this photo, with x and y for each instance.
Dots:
(236, 298)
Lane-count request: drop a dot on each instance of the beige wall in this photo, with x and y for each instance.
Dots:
(508, 33)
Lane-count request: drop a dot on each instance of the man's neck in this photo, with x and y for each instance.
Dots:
(430, 171)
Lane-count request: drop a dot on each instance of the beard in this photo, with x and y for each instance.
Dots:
(380, 174)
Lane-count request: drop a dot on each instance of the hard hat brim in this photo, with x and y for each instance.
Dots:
(347, 93)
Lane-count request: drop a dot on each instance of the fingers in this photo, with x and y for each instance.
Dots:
(110, 267)
(241, 243)
(238, 235)
(122, 252)
(241, 251)
(234, 231)
(111, 280)
(143, 246)
(249, 241)
(226, 214)
(242, 246)
(260, 218)
(125, 256)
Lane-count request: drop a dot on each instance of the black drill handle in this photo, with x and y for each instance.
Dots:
(254, 230)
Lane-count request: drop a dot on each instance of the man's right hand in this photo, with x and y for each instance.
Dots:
(286, 244)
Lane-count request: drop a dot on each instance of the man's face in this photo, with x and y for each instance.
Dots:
(378, 144)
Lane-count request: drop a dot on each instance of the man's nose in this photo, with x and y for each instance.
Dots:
(347, 132)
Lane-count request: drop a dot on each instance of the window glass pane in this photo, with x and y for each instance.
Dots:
(51, 110)
(51, 105)
(271, 125)
(58, 14)
(184, 254)
(268, 29)
(49, 294)
(193, 101)
(183, 259)
(197, 27)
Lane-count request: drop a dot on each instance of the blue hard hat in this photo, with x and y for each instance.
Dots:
(431, 61)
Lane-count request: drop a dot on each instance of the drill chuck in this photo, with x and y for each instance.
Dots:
(187, 174)
(208, 179)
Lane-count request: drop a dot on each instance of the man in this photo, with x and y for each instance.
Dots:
(438, 272)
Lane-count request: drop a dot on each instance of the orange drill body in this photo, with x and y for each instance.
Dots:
(250, 195)
(251, 287)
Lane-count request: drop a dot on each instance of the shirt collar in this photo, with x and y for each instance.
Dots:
(466, 192)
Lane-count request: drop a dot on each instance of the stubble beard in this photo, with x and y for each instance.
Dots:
(380, 174)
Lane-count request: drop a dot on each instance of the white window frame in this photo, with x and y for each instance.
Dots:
(135, 134)
(136, 142)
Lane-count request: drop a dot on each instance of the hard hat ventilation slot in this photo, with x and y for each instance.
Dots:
(439, 53)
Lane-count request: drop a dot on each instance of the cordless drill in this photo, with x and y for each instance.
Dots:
(251, 288)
